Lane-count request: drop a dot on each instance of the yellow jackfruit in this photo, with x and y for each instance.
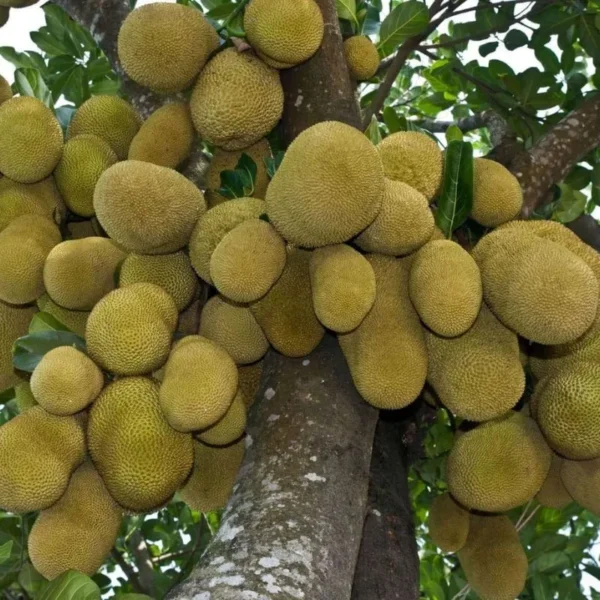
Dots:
(581, 479)
(147, 208)
(5, 88)
(386, 353)
(234, 328)
(24, 397)
(437, 234)
(141, 459)
(166, 138)
(249, 377)
(230, 427)
(38, 453)
(164, 46)
(14, 323)
(77, 532)
(499, 465)
(75, 320)
(237, 100)
(271, 62)
(31, 139)
(328, 188)
(362, 57)
(448, 523)
(445, 288)
(286, 31)
(109, 118)
(343, 287)
(554, 494)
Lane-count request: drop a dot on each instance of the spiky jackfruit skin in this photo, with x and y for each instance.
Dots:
(497, 194)
(581, 479)
(249, 377)
(328, 188)
(286, 31)
(31, 139)
(5, 88)
(445, 288)
(164, 46)
(127, 333)
(248, 261)
(362, 57)
(233, 327)
(448, 523)
(49, 448)
(14, 323)
(271, 62)
(172, 272)
(386, 353)
(553, 493)
(286, 313)
(413, 158)
(77, 532)
(237, 100)
(75, 320)
(141, 459)
(343, 287)
(214, 225)
(499, 465)
(66, 381)
(213, 476)
(493, 558)
(109, 118)
(147, 208)
(199, 384)
(477, 375)
(230, 427)
(404, 223)
(166, 138)
(79, 273)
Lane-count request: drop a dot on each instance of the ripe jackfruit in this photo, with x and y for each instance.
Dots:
(38, 453)
(77, 532)
(445, 288)
(499, 465)
(84, 159)
(166, 138)
(109, 118)
(79, 273)
(248, 261)
(404, 223)
(237, 100)
(554, 494)
(230, 427)
(285, 31)
(362, 57)
(328, 188)
(14, 323)
(286, 313)
(164, 46)
(31, 139)
(5, 88)
(343, 287)
(249, 377)
(141, 459)
(448, 523)
(582, 480)
(147, 208)
(75, 320)
(413, 158)
(386, 353)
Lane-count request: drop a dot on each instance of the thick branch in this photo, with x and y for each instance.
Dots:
(143, 561)
(129, 571)
(476, 121)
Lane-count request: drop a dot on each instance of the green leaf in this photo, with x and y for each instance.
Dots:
(30, 349)
(30, 580)
(64, 114)
(571, 204)
(393, 121)
(30, 82)
(71, 585)
(589, 35)
(44, 321)
(7, 395)
(579, 178)
(406, 20)
(222, 11)
(550, 562)
(514, 39)
(5, 551)
(272, 163)
(239, 183)
(454, 133)
(542, 589)
(346, 9)
(373, 132)
(488, 48)
(548, 59)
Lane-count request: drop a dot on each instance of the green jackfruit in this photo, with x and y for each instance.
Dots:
(362, 57)
(582, 480)
(5, 88)
(14, 323)
(75, 320)
(230, 427)
(554, 494)
(448, 523)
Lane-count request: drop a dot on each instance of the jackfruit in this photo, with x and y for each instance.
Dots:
(343, 287)
(445, 288)
(448, 523)
(403, 224)
(141, 459)
(147, 208)
(77, 532)
(362, 57)
(287, 31)
(237, 100)
(164, 46)
(415, 159)
(554, 494)
(437, 234)
(24, 397)
(386, 353)
(233, 327)
(166, 138)
(271, 62)
(248, 261)
(249, 378)
(84, 159)
(14, 323)
(38, 453)
(17, 3)
(230, 427)
(75, 320)
(127, 333)
(109, 118)
(497, 195)
(24, 245)
(493, 558)
(499, 465)
(328, 188)
(199, 384)
(286, 313)
(478, 376)
(4, 14)
(31, 139)
(5, 88)
(213, 476)
(582, 480)
(79, 273)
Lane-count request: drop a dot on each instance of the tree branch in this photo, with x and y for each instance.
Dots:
(128, 570)
(143, 561)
